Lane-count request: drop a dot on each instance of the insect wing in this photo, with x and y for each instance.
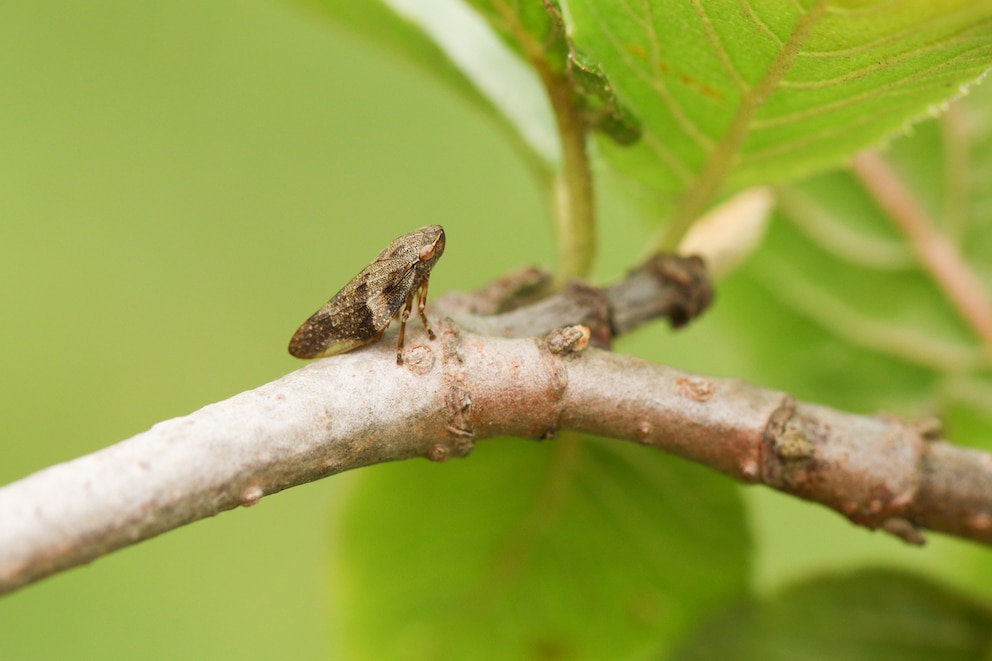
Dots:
(391, 287)
(358, 313)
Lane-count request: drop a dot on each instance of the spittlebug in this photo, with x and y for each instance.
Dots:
(360, 313)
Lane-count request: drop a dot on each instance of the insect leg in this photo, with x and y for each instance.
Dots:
(403, 317)
(421, 304)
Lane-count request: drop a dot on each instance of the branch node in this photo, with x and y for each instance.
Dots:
(592, 300)
(666, 285)
(644, 433)
(693, 289)
(750, 470)
(437, 453)
(251, 495)
(419, 358)
(793, 444)
(904, 529)
(568, 339)
(698, 389)
(778, 425)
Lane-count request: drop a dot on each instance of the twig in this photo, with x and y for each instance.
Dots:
(936, 253)
(670, 286)
(359, 409)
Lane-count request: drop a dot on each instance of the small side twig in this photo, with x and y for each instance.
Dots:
(665, 286)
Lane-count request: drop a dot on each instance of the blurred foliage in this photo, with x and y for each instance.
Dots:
(561, 550)
(864, 616)
(182, 183)
(724, 96)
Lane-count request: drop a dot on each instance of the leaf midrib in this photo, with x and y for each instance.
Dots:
(706, 186)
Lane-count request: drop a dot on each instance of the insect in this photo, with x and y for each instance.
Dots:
(361, 311)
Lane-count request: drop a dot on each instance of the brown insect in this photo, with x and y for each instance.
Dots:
(360, 313)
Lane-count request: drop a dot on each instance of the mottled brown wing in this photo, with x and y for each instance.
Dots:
(358, 313)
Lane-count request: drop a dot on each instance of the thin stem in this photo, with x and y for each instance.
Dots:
(573, 201)
(936, 253)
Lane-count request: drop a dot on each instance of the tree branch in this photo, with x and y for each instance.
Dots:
(360, 408)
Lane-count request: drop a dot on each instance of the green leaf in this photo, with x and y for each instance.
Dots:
(733, 94)
(870, 615)
(834, 308)
(571, 549)
(848, 316)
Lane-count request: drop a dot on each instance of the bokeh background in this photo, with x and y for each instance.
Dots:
(182, 184)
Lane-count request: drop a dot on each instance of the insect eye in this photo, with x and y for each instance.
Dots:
(426, 252)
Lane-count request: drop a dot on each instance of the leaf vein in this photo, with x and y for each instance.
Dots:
(752, 157)
(894, 88)
(725, 155)
(654, 78)
(717, 44)
(752, 14)
(931, 26)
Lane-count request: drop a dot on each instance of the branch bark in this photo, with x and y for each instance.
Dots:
(360, 408)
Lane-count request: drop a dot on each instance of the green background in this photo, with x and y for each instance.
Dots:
(182, 184)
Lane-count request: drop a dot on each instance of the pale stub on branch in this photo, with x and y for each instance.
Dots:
(728, 234)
